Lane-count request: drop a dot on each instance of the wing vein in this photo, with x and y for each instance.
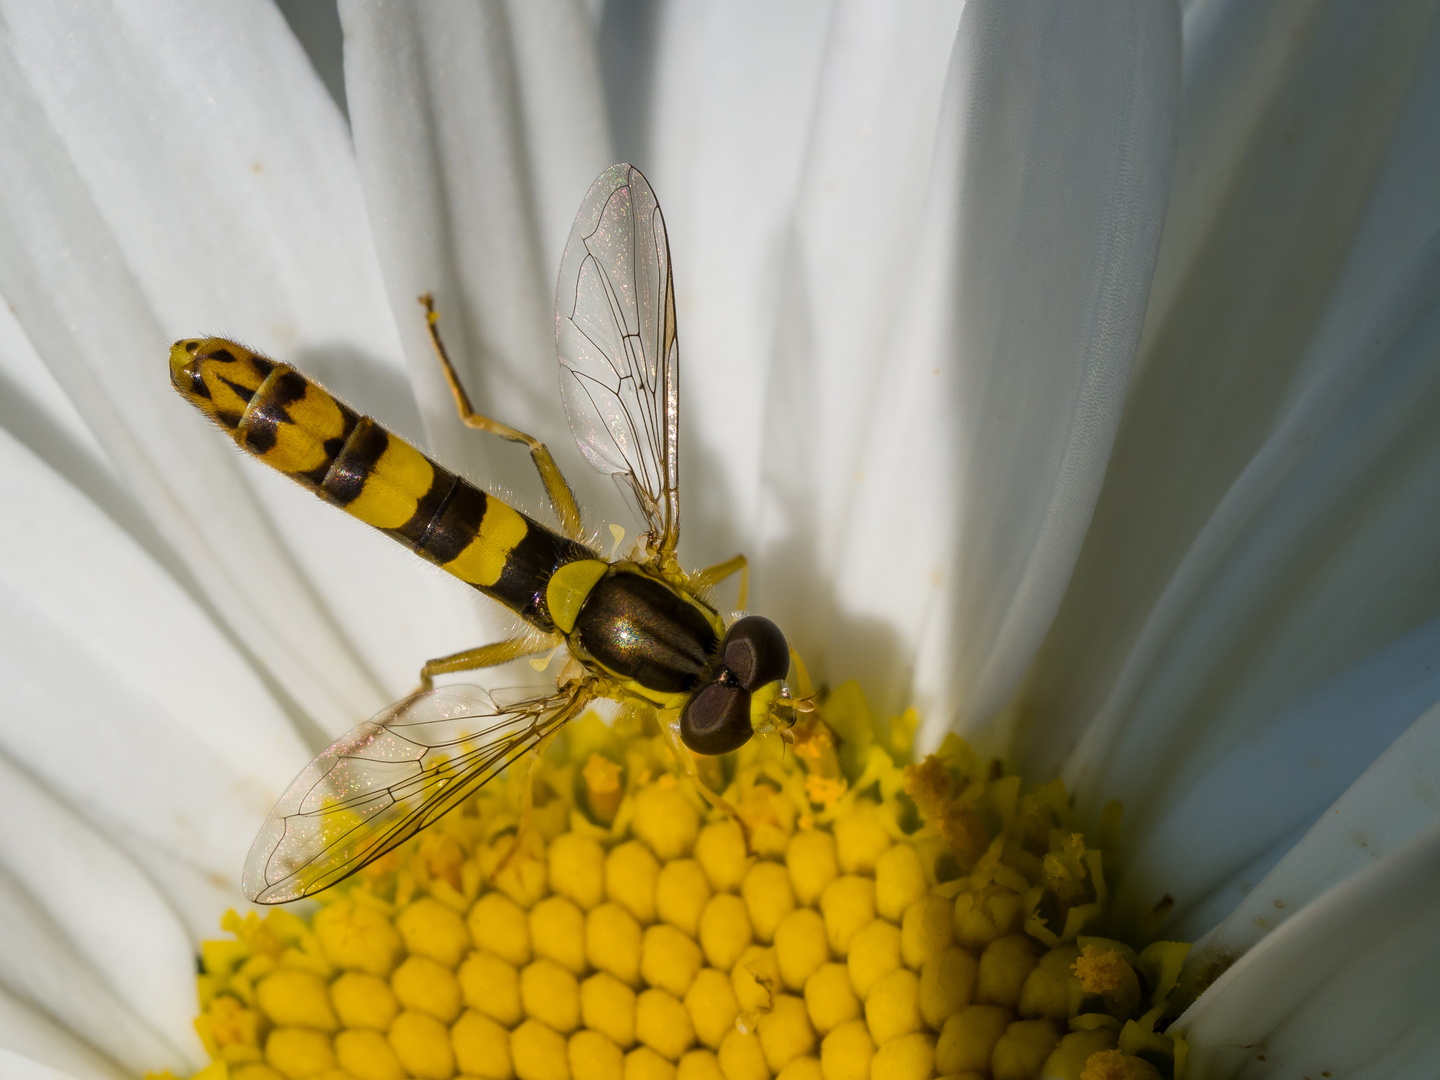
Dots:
(615, 337)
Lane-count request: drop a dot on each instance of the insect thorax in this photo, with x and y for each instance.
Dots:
(644, 630)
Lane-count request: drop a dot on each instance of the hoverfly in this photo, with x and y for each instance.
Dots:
(639, 630)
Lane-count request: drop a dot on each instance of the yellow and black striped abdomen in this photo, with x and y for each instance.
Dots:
(297, 427)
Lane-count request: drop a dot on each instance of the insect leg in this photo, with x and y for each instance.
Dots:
(561, 497)
(713, 575)
(486, 656)
(518, 846)
(670, 726)
(518, 843)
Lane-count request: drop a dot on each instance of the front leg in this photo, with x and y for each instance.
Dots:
(669, 720)
(703, 580)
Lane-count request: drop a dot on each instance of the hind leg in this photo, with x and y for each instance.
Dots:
(556, 487)
(484, 656)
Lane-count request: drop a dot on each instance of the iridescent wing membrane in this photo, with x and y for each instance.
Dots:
(615, 335)
(387, 779)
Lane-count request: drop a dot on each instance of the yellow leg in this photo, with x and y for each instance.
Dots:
(670, 725)
(582, 697)
(711, 576)
(486, 656)
(527, 800)
(561, 497)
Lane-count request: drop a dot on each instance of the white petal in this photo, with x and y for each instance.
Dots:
(133, 769)
(41, 966)
(1346, 986)
(562, 105)
(34, 1047)
(231, 221)
(1383, 811)
(1322, 552)
(729, 117)
(436, 105)
(119, 693)
(198, 893)
(111, 914)
(395, 609)
(1234, 64)
(1399, 225)
(1277, 779)
(1204, 915)
(35, 410)
(63, 557)
(1003, 383)
(1271, 244)
(843, 275)
(65, 272)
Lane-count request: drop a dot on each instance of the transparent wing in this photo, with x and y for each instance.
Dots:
(383, 782)
(615, 335)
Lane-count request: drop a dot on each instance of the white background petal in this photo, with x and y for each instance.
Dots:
(65, 558)
(141, 210)
(563, 112)
(844, 272)
(39, 962)
(1274, 239)
(1346, 986)
(34, 1047)
(37, 412)
(1396, 800)
(1270, 785)
(115, 918)
(1236, 56)
(1001, 379)
(1309, 564)
(1321, 553)
(121, 695)
(729, 124)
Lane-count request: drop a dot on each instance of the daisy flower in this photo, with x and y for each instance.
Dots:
(1070, 376)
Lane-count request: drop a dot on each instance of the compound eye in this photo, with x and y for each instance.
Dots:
(717, 720)
(755, 652)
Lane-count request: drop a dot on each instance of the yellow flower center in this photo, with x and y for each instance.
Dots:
(857, 917)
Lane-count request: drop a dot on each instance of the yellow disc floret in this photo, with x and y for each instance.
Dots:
(491, 986)
(593, 1056)
(364, 1001)
(557, 929)
(681, 893)
(608, 1006)
(724, 930)
(482, 1047)
(857, 917)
